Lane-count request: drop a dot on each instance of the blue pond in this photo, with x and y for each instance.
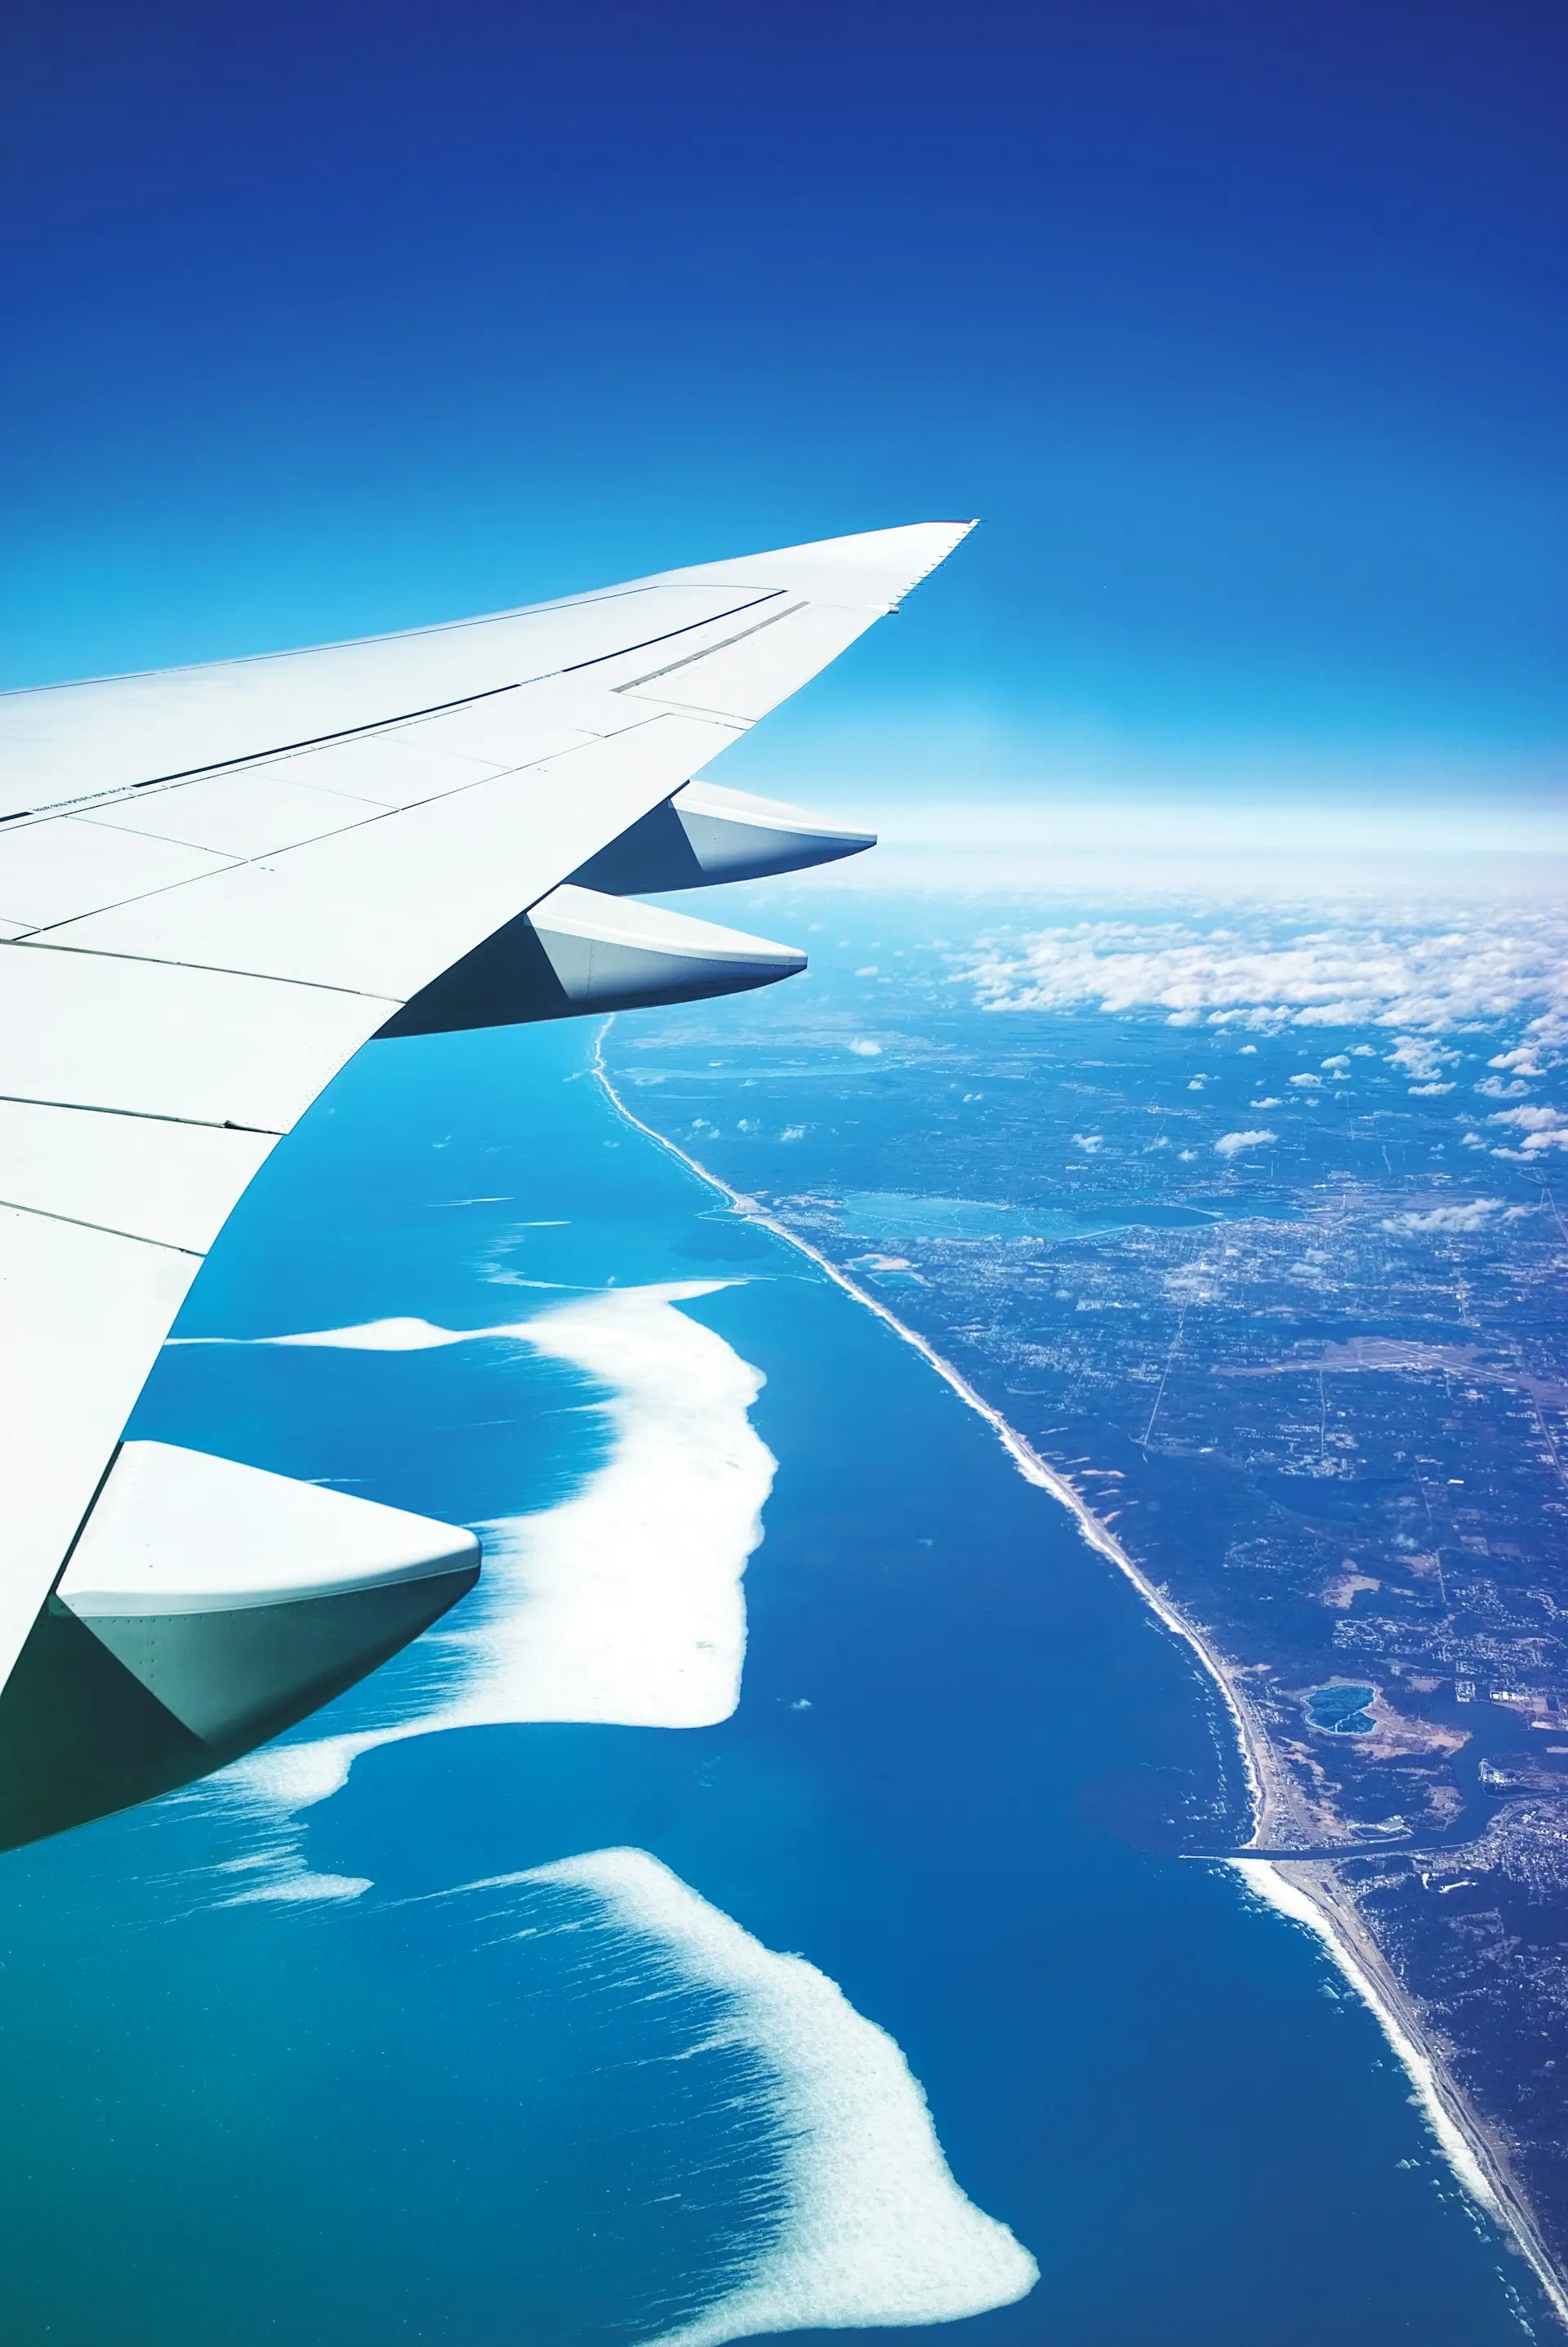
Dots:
(1342, 1710)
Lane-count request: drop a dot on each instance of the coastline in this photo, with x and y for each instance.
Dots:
(1304, 1891)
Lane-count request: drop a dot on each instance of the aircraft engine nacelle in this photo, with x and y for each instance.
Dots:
(205, 1607)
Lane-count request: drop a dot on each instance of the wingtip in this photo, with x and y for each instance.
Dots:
(882, 564)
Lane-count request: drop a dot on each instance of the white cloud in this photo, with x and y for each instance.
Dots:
(1090, 1142)
(1197, 1083)
(1523, 1061)
(1472, 1217)
(1307, 1083)
(1493, 1088)
(1534, 1118)
(1426, 1091)
(1543, 1128)
(1272, 1101)
(869, 970)
(865, 1050)
(1229, 1144)
(1420, 1056)
(1340, 1059)
(1260, 972)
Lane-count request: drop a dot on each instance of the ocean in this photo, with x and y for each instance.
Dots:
(751, 1910)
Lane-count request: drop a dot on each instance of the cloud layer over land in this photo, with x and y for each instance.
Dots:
(1266, 973)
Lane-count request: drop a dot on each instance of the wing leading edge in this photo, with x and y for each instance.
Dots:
(216, 884)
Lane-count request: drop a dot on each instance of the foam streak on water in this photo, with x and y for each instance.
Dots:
(877, 2231)
(622, 1605)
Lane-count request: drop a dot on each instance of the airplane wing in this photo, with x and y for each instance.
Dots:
(217, 883)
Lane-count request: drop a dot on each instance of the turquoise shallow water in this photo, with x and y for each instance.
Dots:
(462, 2108)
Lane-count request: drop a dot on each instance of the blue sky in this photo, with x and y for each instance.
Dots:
(1241, 327)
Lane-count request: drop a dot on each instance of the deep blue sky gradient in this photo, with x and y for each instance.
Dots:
(1241, 325)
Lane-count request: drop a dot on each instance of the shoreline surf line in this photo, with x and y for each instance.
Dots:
(1363, 1966)
(1306, 1892)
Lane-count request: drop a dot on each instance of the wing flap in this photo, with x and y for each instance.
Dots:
(257, 812)
(153, 1040)
(51, 871)
(385, 909)
(172, 1185)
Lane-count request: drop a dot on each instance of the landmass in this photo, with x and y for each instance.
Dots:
(1294, 1353)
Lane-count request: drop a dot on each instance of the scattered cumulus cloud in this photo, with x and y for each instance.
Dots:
(1525, 1062)
(1542, 1128)
(1307, 1083)
(1271, 1101)
(863, 1050)
(1426, 1091)
(1420, 980)
(1340, 1059)
(1420, 1056)
(1493, 1088)
(1230, 1144)
(1475, 1216)
(1090, 1142)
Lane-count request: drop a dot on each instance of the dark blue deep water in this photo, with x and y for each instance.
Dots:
(458, 2108)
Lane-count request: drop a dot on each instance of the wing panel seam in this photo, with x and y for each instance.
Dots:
(708, 649)
(40, 943)
(373, 725)
(142, 1115)
(80, 1222)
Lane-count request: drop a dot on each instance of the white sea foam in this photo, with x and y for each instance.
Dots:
(876, 2231)
(622, 1605)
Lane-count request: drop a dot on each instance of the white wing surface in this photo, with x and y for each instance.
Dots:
(217, 883)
